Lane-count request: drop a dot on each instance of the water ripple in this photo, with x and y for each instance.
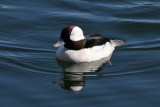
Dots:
(144, 45)
(29, 69)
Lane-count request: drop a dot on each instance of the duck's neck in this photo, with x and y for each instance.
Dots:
(75, 45)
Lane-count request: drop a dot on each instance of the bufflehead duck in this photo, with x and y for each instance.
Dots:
(74, 46)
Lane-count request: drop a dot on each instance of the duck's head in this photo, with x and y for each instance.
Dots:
(72, 37)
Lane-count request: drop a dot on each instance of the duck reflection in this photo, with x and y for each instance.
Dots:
(74, 73)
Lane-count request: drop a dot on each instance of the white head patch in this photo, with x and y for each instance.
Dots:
(76, 34)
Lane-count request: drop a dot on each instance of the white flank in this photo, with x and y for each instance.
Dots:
(85, 55)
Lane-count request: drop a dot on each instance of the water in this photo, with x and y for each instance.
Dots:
(30, 76)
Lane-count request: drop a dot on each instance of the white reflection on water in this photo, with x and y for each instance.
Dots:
(74, 73)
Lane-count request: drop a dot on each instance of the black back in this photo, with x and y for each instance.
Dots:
(95, 40)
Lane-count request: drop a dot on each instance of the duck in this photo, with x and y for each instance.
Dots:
(74, 46)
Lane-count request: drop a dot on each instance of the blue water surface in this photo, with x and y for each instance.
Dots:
(30, 75)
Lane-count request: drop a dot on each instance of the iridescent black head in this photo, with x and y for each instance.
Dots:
(73, 37)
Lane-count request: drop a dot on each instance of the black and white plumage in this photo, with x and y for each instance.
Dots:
(95, 40)
(74, 46)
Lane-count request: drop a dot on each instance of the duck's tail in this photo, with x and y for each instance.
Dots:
(117, 42)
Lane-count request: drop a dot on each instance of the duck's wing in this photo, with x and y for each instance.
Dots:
(95, 40)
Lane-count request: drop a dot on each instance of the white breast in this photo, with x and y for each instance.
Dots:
(84, 55)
